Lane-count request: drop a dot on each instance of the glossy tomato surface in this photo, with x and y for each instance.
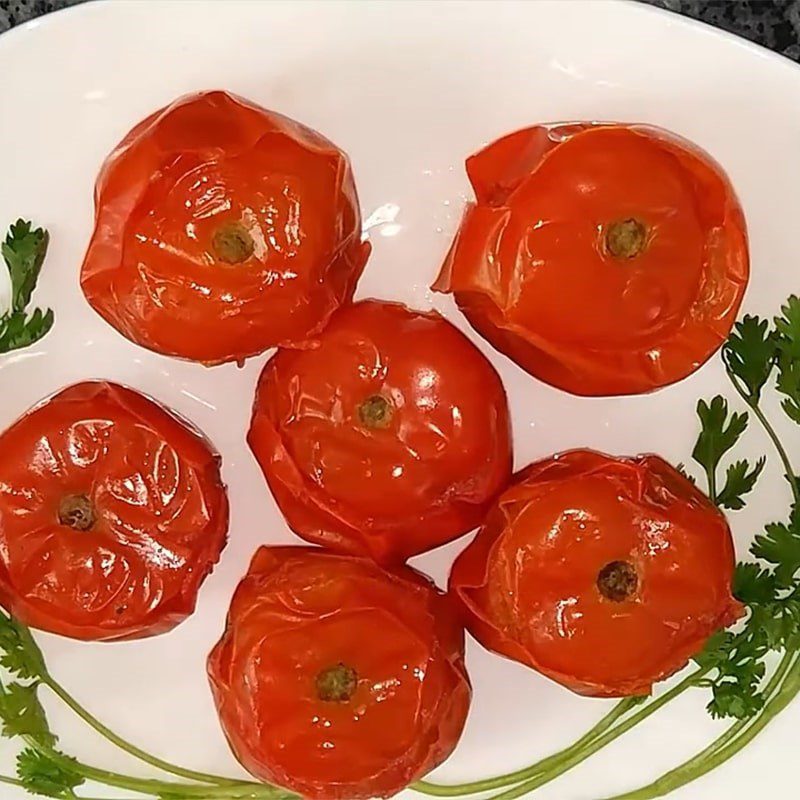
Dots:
(605, 574)
(604, 259)
(336, 679)
(112, 513)
(221, 230)
(389, 438)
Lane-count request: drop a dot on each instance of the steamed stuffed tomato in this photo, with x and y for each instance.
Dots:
(221, 230)
(605, 574)
(389, 438)
(112, 513)
(336, 679)
(605, 259)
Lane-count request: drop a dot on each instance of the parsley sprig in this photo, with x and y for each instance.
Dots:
(734, 664)
(719, 433)
(43, 769)
(24, 251)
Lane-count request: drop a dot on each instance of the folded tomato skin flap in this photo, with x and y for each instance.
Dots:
(304, 622)
(531, 269)
(529, 584)
(113, 513)
(211, 178)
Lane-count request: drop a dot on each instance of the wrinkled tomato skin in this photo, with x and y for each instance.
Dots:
(208, 161)
(160, 508)
(529, 589)
(300, 611)
(532, 271)
(391, 492)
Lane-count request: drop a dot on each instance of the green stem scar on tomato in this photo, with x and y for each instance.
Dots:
(618, 581)
(232, 243)
(376, 412)
(337, 684)
(626, 239)
(76, 511)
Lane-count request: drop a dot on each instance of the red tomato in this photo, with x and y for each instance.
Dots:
(336, 679)
(389, 438)
(222, 230)
(112, 513)
(605, 574)
(603, 259)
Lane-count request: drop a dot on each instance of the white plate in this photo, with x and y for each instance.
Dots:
(409, 90)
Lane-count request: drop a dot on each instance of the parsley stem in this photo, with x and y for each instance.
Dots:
(474, 787)
(781, 689)
(156, 788)
(754, 406)
(10, 781)
(130, 748)
(711, 477)
(782, 454)
(575, 758)
(36, 657)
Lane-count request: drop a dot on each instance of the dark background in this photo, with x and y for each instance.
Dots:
(773, 23)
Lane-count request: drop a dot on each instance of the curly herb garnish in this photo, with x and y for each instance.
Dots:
(42, 768)
(734, 663)
(24, 250)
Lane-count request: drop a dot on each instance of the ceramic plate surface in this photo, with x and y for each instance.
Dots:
(408, 90)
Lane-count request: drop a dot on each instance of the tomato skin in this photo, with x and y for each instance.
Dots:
(300, 610)
(208, 161)
(528, 585)
(391, 492)
(531, 268)
(160, 508)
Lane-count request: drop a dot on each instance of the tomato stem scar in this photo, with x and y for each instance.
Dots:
(337, 684)
(232, 243)
(376, 412)
(76, 511)
(618, 581)
(626, 238)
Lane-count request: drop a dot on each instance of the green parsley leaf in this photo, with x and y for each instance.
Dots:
(787, 341)
(750, 354)
(753, 585)
(18, 330)
(730, 701)
(43, 776)
(739, 481)
(22, 714)
(24, 250)
(780, 545)
(787, 329)
(716, 650)
(719, 432)
(20, 654)
(775, 623)
(738, 660)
